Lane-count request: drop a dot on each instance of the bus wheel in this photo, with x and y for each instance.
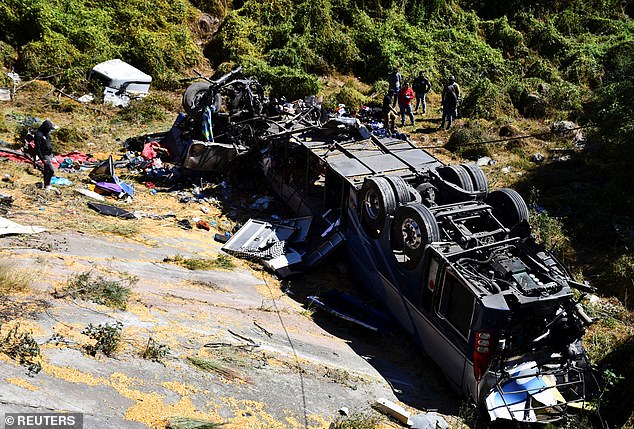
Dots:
(414, 227)
(478, 179)
(377, 202)
(401, 190)
(194, 98)
(510, 209)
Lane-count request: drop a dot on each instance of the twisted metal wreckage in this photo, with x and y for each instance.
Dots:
(454, 263)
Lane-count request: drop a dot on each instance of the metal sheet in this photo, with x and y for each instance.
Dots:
(348, 167)
(257, 234)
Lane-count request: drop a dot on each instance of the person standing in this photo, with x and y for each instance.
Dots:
(450, 97)
(44, 150)
(421, 87)
(394, 80)
(389, 114)
(405, 97)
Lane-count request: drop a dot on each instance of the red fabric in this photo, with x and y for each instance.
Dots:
(405, 96)
(150, 150)
(75, 156)
(57, 160)
(16, 158)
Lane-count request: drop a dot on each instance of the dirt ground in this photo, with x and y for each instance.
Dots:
(283, 365)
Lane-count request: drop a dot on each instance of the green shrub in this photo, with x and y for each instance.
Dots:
(217, 8)
(8, 55)
(22, 347)
(582, 66)
(190, 423)
(143, 110)
(547, 40)
(618, 277)
(222, 261)
(349, 96)
(548, 230)
(468, 141)
(542, 69)
(87, 286)
(66, 39)
(486, 100)
(284, 81)
(106, 338)
(566, 99)
(155, 351)
(500, 34)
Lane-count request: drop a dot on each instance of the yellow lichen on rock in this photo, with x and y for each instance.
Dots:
(22, 383)
(180, 388)
(72, 375)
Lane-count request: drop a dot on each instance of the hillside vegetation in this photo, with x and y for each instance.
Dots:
(518, 62)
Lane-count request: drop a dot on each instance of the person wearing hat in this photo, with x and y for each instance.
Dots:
(44, 150)
(450, 97)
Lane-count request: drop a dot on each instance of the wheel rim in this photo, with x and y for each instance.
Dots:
(372, 204)
(412, 236)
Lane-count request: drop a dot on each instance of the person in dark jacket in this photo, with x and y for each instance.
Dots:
(421, 87)
(44, 150)
(389, 114)
(450, 97)
(394, 80)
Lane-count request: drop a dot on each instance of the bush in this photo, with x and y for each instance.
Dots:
(357, 421)
(144, 110)
(284, 81)
(112, 293)
(500, 34)
(468, 141)
(548, 230)
(486, 100)
(106, 338)
(155, 351)
(565, 99)
(618, 277)
(66, 39)
(222, 262)
(8, 55)
(348, 95)
(21, 346)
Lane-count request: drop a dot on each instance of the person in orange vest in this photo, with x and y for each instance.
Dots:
(405, 97)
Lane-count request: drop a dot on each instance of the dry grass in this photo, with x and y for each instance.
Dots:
(215, 366)
(188, 423)
(221, 262)
(14, 279)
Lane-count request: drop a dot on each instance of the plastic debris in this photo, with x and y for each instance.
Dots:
(60, 181)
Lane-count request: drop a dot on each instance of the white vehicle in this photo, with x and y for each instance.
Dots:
(122, 82)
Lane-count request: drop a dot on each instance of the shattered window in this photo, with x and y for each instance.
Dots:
(456, 305)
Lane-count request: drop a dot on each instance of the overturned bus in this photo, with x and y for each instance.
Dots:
(454, 263)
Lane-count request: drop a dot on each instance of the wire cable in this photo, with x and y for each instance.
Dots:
(513, 138)
(290, 341)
